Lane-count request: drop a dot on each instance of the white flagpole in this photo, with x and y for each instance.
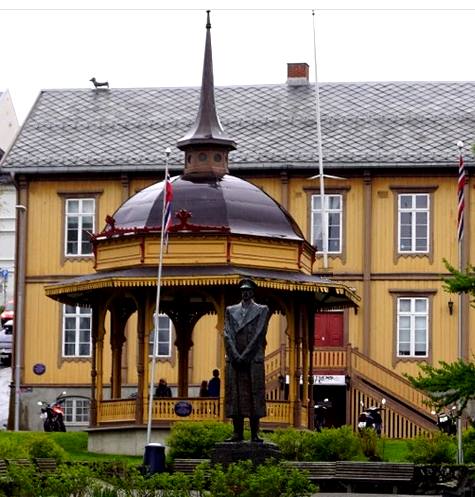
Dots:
(157, 305)
(460, 353)
(320, 158)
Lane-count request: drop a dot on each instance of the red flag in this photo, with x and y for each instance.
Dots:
(461, 207)
(167, 209)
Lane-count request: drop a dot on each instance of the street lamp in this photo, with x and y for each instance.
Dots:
(19, 310)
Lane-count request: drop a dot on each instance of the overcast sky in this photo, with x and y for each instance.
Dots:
(134, 44)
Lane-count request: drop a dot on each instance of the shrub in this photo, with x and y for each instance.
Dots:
(468, 445)
(334, 444)
(293, 444)
(42, 445)
(196, 439)
(371, 444)
(11, 448)
(435, 448)
(266, 480)
(76, 480)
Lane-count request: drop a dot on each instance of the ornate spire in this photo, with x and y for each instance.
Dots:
(206, 145)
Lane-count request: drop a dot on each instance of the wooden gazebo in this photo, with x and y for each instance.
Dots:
(224, 229)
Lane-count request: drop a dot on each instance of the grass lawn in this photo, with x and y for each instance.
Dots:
(75, 444)
(395, 451)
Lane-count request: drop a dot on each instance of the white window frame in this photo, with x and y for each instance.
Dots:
(81, 216)
(79, 316)
(75, 410)
(411, 320)
(316, 216)
(414, 212)
(164, 326)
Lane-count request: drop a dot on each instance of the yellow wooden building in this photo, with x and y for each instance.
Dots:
(83, 157)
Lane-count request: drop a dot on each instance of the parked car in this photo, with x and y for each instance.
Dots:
(6, 335)
(7, 313)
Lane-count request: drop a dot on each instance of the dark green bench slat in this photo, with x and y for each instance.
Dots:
(187, 466)
(46, 464)
(315, 470)
(374, 471)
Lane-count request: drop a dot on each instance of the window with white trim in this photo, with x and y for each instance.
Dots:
(77, 323)
(80, 213)
(76, 411)
(412, 327)
(333, 213)
(164, 341)
(413, 222)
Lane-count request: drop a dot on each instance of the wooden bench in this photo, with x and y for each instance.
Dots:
(351, 473)
(45, 465)
(3, 469)
(316, 471)
(187, 466)
(22, 463)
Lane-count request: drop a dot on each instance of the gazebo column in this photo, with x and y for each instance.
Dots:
(220, 330)
(94, 338)
(306, 376)
(99, 357)
(298, 365)
(120, 310)
(142, 356)
(310, 334)
(183, 344)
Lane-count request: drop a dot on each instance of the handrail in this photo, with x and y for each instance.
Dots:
(388, 380)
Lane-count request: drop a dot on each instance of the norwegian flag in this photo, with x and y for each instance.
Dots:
(167, 217)
(461, 206)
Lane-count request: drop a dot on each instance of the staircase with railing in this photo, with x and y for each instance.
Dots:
(406, 412)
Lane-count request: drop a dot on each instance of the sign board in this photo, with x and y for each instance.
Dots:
(183, 409)
(39, 369)
(4, 274)
(324, 379)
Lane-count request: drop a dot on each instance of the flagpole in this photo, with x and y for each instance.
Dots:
(157, 303)
(320, 158)
(460, 231)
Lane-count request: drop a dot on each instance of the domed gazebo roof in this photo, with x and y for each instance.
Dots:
(222, 203)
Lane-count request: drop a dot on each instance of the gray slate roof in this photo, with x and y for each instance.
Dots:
(371, 124)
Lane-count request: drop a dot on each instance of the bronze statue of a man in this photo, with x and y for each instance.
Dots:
(245, 328)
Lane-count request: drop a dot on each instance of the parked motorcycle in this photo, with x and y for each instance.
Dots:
(52, 414)
(371, 418)
(446, 421)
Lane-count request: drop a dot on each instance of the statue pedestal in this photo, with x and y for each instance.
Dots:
(226, 453)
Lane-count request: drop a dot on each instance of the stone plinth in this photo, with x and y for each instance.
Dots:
(226, 453)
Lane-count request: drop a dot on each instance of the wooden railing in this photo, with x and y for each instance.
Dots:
(164, 410)
(116, 410)
(330, 358)
(388, 381)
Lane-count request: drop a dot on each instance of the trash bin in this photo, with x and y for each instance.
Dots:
(154, 459)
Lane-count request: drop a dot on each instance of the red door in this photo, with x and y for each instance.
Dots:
(329, 329)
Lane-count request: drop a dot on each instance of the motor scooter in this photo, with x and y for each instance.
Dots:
(52, 414)
(446, 421)
(371, 418)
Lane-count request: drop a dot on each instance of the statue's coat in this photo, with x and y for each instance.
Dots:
(244, 337)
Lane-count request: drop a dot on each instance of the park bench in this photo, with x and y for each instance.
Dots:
(187, 466)
(22, 463)
(392, 474)
(45, 465)
(316, 471)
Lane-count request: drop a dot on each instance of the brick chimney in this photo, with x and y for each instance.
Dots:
(297, 74)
